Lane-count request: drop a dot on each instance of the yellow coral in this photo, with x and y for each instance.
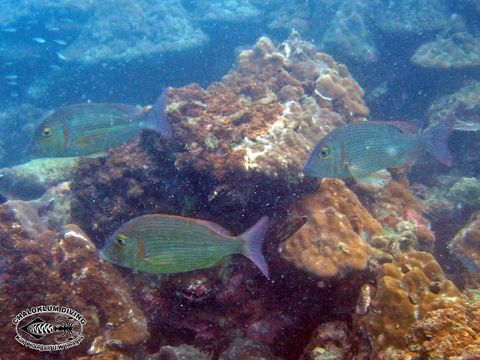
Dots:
(331, 242)
(407, 291)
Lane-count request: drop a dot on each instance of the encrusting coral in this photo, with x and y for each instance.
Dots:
(65, 270)
(238, 146)
(408, 291)
(268, 113)
(333, 240)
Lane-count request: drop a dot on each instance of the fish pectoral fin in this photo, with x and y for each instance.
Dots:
(96, 155)
(376, 179)
(354, 172)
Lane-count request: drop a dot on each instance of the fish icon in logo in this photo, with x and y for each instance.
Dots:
(39, 328)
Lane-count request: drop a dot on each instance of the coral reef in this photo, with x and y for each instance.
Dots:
(30, 180)
(410, 16)
(464, 104)
(466, 191)
(332, 242)
(271, 116)
(220, 10)
(65, 270)
(238, 144)
(247, 349)
(458, 50)
(108, 34)
(108, 30)
(51, 211)
(334, 340)
(400, 213)
(409, 291)
(466, 244)
(348, 33)
(182, 352)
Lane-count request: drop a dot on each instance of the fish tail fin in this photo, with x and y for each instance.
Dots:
(158, 120)
(437, 140)
(253, 241)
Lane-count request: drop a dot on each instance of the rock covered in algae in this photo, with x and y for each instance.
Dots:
(408, 291)
(333, 340)
(65, 270)
(30, 180)
(464, 104)
(458, 50)
(400, 213)
(410, 16)
(150, 28)
(51, 211)
(268, 113)
(349, 34)
(332, 241)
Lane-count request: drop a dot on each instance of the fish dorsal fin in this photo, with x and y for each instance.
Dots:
(215, 227)
(405, 127)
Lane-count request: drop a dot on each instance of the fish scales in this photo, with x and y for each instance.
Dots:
(160, 243)
(376, 146)
(170, 234)
(90, 126)
(83, 129)
(83, 118)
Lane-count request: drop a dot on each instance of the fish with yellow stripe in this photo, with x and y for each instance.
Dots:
(85, 129)
(163, 244)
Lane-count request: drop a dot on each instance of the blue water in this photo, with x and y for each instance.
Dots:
(56, 53)
(45, 80)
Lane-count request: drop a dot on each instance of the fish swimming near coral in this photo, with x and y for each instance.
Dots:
(85, 129)
(359, 150)
(171, 244)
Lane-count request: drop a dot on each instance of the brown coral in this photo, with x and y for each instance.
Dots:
(238, 149)
(448, 333)
(331, 242)
(262, 115)
(408, 290)
(400, 211)
(64, 271)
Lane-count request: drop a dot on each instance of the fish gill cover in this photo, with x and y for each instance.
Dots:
(366, 264)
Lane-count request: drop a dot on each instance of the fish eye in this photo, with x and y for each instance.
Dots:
(46, 132)
(324, 151)
(121, 239)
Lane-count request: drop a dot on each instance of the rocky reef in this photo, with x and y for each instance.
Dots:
(464, 104)
(458, 50)
(408, 311)
(333, 240)
(65, 269)
(347, 277)
(239, 145)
